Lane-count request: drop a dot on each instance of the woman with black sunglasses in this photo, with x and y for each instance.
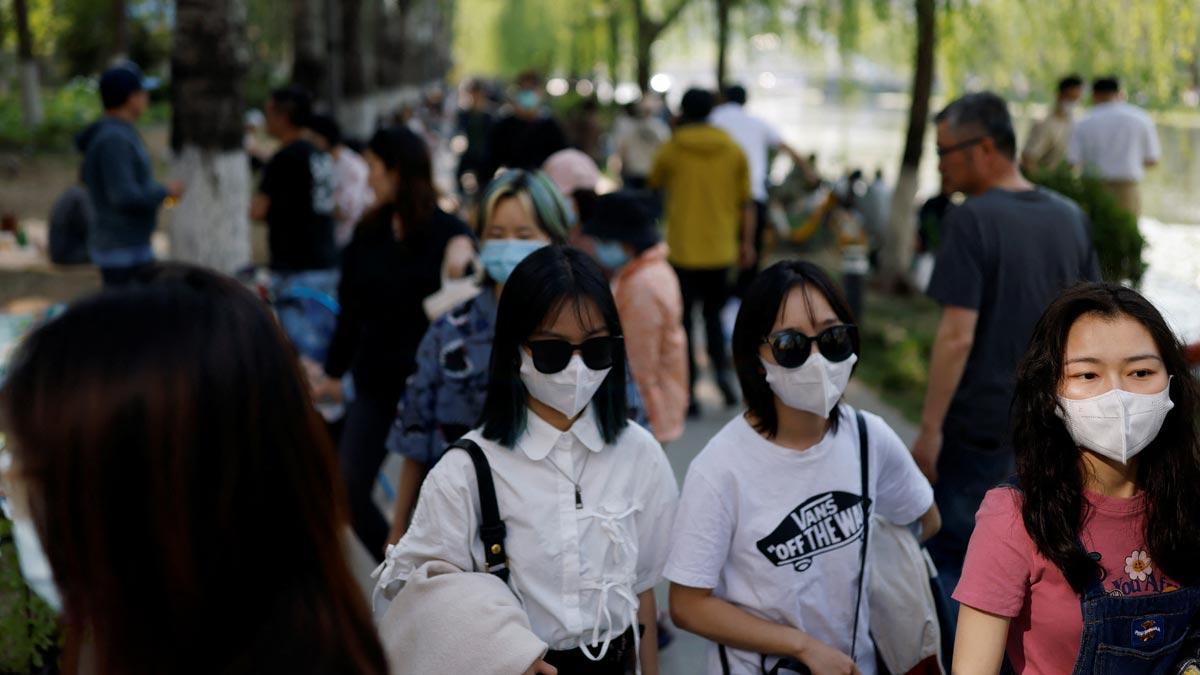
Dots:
(766, 552)
(586, 497)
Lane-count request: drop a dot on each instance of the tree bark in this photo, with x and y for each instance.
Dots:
(648, 31)
(614, 41)
(211, 55)
(898, 254)
(120, 26)
(31, 90)
(308, 40)
(723, 7)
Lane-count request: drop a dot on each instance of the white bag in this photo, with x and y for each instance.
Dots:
(453, 292)
(904, 623)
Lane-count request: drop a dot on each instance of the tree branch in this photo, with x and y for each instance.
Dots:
(670, 17)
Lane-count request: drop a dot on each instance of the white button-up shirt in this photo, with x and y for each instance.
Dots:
(1114, 142)
(576, 571)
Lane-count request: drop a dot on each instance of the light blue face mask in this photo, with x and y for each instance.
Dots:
(611, 255)
(528, 99)
(501, 256)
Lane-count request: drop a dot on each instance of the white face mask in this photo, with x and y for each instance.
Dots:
(567, 391)
(816, 386)
(1117, 424)
(34, 565)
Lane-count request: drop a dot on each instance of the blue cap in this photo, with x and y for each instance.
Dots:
(120, 82)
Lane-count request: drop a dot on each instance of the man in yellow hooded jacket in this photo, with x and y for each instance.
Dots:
(709, 223)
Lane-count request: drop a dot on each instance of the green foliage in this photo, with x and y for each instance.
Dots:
(68, 109)
(1118, 242)
(28, 628)
(897, 337)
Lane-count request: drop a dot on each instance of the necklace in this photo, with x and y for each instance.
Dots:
(574, 481)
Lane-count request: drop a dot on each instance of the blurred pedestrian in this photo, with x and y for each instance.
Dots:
(576, 176)
(352, 194)
(648, 300)
(394, 262)
(164, 514)
(1115, 142)
(710, 225)
(585, 131)
(757, 139)
(71, 218)
(527, 135)
(1086, 561)
(768, 553)
(1005, 253)
(584, 498)
(120, 179)
(296, 193)
(1050, 136)
(475, 122)
(637, 136)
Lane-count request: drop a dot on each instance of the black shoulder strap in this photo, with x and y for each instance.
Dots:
(491, 528)
(864, 463)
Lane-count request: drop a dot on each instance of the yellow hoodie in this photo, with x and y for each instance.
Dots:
(707, 183)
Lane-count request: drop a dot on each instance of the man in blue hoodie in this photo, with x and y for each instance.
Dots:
(120, 180)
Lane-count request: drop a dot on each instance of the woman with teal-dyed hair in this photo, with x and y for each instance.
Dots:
(520, 212)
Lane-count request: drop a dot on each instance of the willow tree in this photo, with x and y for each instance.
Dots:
(647, 31)
(211, 225)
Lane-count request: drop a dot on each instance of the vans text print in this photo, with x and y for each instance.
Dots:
(824, 523)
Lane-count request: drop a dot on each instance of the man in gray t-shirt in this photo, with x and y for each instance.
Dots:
(1005, 254)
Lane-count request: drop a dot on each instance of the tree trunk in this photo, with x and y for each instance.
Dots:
(356, 113)
(120, 27)
(308, 44)
(898, 253)
(614, 42)
(722, 41)
(31, 91)
(210, 58)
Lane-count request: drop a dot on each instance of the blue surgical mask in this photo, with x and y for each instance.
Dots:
(501, 256)
(611, 255)
(528, 99)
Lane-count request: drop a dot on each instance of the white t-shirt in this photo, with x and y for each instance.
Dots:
(573, 569)
(754, 136)
(1114, 142)
(777, 532)
(638, 140)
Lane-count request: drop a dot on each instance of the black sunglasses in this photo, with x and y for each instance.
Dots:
(942, 152)
(791, 347)
(551, 356)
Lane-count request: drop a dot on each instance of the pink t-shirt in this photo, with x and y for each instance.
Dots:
(1005, 575)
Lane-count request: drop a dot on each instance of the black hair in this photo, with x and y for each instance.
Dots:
(988, 113)
(760, 308)
(295, 103)
(1106, 85)
(696, 105)
(550, 279)
(406, 154)
(326, 127)
(1069, 82)
(626, 216)
(1050, 465)
(735, 94)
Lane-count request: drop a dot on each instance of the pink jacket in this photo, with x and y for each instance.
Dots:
(651, 310)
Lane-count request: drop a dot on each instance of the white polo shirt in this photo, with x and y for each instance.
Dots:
(754, 136)
(576, 571)
(1114, 142)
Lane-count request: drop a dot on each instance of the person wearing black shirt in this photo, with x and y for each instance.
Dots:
(525, 137)
(394, 261)
(296, 195)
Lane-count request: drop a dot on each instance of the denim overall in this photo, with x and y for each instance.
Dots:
(1138, 635)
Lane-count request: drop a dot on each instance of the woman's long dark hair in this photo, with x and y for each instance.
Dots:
(183, 487)
(405, 153)
(1049, 464)
(549, 279)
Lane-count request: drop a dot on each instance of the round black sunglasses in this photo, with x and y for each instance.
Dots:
(552, 356)
(791, 347)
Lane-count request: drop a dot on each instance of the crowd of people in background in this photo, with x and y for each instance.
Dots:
(529, 346)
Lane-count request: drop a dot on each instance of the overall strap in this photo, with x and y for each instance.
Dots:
(491, 528)
(864, 464)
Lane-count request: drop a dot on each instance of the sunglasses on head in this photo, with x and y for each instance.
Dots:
(551, 356)
(791, 347)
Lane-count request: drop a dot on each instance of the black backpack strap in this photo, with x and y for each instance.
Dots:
(491, 528)
(864, 463)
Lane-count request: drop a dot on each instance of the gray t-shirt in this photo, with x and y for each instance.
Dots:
(1007, 255)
